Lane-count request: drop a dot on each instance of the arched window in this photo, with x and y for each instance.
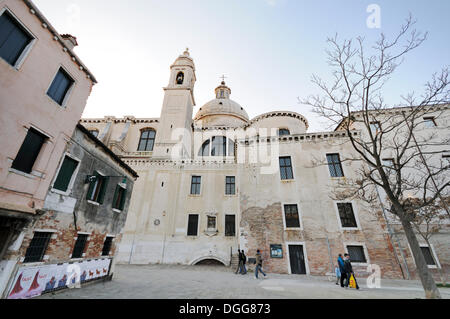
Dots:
(180, 78)
(205, 149)
(217, 146)
(283, 131)
(147, 140)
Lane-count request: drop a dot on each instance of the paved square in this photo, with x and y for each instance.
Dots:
(210, 282)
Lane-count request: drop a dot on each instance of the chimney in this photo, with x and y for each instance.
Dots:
(69, 40)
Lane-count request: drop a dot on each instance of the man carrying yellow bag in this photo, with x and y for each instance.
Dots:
(351, 280)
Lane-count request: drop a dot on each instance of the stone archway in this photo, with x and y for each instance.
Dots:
(209, 260)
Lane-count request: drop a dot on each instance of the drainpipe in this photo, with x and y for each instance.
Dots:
(392, 235)
(329, 253)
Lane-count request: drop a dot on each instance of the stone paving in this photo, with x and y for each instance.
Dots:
(216, 282)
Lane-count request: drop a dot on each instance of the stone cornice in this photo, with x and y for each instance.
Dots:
(113, 119)
(395, 111)
(280, 113)
(306, 137)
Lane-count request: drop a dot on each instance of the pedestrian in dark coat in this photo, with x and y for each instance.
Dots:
(349, 270)
(239, 267)
(244, 261)
(342, 269)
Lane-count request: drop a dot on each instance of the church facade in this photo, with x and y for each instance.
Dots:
(217, 181)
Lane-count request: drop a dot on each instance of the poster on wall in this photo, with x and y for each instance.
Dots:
(34, 281)
(276, 251)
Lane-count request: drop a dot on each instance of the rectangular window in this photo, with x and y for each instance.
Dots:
(13, 39)
(107, 246)
(427, 253)
(357, 254)
(80, 245)
(334, 164)
(375, 127)
(430, 122)
(230, 225)
(38, 246)
(291, 216)
(29, 151)
(347, 215)
(192, 225)
(97, 188)
(230, 187)
(286, 168)
(65, 174)
(195, 185)
(119, 198)
(60, 86)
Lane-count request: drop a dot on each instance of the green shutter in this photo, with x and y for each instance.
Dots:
(91, 188)
(65, 174)
(116, 193)
(103, 190)
(122, 200)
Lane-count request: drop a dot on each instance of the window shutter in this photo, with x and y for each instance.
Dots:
(116, 193)
(13, 39)
(60, 86)
(91, 187)
(192, 225)
(29, 151)
(103, 190)
(230, 225)
(65, 174)
(122, 199)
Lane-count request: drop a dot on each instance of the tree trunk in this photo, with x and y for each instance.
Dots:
(431, 290)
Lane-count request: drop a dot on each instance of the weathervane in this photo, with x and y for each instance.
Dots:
(223, 77)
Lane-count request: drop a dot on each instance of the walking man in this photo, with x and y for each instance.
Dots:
(259, 264)
(244, 261)
(349, 271)
(239, 267)
(342, 269)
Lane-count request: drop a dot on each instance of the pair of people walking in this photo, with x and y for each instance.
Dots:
(242, 261)
(345, 270)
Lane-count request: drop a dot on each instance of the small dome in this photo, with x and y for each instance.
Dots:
(222, 105)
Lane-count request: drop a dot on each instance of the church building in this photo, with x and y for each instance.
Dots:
(217, 181)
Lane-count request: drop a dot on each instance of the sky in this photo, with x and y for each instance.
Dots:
(267, 49)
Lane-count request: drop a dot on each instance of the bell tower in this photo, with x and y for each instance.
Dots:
(178, 105)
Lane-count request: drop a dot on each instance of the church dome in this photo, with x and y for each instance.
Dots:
(221, 108)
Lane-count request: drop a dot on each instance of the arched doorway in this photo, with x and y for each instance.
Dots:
(209, 261)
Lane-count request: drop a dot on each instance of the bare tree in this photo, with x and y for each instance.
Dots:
(399, 157)
(428, 221)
